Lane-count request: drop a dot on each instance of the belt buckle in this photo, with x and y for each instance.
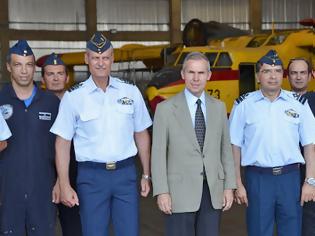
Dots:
(111, 165)
(277, 170)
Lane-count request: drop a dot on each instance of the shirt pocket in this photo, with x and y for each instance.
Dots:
(88, 116)
(89, 125)
(291, 120)
(252, 121)
(125, 110)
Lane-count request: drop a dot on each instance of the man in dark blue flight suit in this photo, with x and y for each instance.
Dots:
(55, 79)
(299, 76)
(27, 164)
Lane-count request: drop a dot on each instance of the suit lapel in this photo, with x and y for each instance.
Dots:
(209, 122)
(183, 117)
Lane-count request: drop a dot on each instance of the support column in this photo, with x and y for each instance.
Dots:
(90, 17)
(175, 21)
(255, 16)
(4, 39)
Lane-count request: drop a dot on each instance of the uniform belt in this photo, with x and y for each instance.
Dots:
(108, 165)
(279, 170)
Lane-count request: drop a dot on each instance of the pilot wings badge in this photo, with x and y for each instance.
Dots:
(125, 101)
(292, 113)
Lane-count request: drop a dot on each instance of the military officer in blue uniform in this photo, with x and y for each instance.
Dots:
(27, 164)
(266, 127)
(5, 133)
(55, 79)
(107, 120)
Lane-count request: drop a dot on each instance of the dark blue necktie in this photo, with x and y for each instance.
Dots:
(200, 125)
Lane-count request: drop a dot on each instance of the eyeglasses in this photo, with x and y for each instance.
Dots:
(271, 71)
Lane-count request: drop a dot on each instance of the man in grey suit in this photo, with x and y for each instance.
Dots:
(193, 171)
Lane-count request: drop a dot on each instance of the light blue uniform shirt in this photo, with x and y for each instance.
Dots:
(5, 132)
(192, 105)
(102, 124)
(268, 132)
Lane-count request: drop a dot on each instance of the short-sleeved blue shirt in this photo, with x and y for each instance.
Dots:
(268, 132)
(102, 124)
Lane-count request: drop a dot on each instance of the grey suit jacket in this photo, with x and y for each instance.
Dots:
(177, 162)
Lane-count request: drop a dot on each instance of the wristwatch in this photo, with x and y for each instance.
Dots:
(310, 181)
(146, 177)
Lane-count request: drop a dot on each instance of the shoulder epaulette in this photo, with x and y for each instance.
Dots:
(241, 98)
(126, 81)
(300, 98)
(74, 87)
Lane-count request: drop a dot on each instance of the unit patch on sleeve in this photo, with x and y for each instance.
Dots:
(6, 110)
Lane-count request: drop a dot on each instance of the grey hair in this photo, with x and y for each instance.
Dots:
(195, 56)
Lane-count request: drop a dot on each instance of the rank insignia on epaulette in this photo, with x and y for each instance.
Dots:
(74, 87)
(300, 98)
(296, 95)
(241, 98)
(292, 113)
(125, 101)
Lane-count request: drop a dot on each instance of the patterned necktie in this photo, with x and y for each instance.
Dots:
(200, 125)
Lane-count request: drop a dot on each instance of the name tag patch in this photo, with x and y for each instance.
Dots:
(292, 113)
(125, 101)
(44, 115)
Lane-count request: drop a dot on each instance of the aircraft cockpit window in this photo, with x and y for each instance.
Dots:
(182, 58)
(277, 39)
(257, 41)
(211, 57)
(224, 60)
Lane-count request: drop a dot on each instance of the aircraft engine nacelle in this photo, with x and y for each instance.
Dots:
(198, 33)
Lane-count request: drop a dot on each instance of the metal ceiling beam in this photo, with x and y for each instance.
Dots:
(52, 35)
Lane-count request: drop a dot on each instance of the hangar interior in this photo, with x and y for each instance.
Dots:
(64, 26)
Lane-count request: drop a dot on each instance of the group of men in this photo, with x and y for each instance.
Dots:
(107, 120)
(92, 136)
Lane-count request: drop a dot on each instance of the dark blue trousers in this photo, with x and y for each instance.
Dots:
(273, 199)
(204, 222)
(69, 220)
(108, 195)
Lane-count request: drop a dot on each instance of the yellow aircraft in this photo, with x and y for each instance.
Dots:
(149, 55)
(156, 56)
(233, 64)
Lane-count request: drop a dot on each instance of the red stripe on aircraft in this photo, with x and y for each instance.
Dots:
(217, 75)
